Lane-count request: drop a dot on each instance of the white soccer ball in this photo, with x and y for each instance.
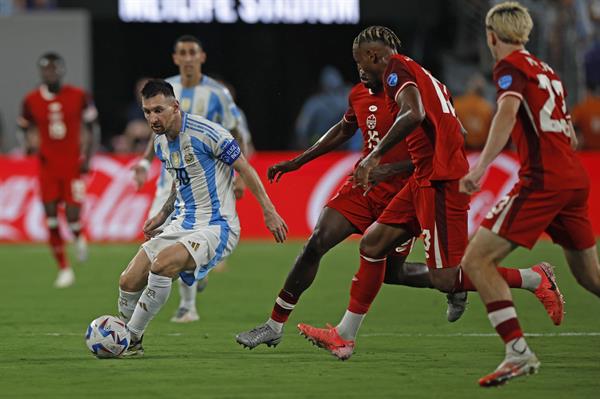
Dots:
(107, 337)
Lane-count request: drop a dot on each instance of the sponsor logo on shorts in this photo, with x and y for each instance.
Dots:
(194, 245)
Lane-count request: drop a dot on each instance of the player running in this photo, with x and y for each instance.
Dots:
(550, 196)
(198, 94)
(430, 202)
(200, 156)
(57, 111)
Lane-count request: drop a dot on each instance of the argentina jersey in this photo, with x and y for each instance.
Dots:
(199, 160)
(209, 99)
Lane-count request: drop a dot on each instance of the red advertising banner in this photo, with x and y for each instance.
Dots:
(115, 211)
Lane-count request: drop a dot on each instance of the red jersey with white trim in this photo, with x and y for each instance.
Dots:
(58, 118)
(369, 110)
(541, 132)
(436, 147)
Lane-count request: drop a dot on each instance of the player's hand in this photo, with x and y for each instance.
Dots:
(276, 225)
(140, 175)
(380, 173)
(276, 171)
(469, 184)
(364, 169)
(152, 226)
(238, 187)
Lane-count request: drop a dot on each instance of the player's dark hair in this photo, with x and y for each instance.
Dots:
(50, 57)
(376, 33)
(187, 39)
(154, 87)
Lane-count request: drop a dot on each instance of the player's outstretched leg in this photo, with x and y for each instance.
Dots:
(65, 277)
(331, 229)
(186, 311)
(73, 213)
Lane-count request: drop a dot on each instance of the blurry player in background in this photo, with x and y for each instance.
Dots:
(198, 94)
(550, 196)
(429, 202)
(351, 211)
(57, 111)
(200, 156)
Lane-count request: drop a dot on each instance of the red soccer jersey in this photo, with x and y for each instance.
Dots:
(58, 118)
(369, 110)
(541, 132)
(436, 147)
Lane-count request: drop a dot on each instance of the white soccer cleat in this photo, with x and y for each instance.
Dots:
(184, 315)
(65, 278)
(511, 367)
(82, 248)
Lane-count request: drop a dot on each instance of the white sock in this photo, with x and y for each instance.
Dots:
(152, 299)
(517, 347)
(531, 279)
(127, 302)
(275, 325)
(187, 295)
(348, 327)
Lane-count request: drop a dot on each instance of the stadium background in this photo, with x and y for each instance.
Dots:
(274, 67)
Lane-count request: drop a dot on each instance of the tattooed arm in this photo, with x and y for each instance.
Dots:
(152, 225)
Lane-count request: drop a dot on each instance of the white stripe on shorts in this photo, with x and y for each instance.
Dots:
(496, 227)
(436, 248)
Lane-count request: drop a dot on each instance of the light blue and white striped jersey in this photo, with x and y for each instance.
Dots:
(209, 99)
(200, 160)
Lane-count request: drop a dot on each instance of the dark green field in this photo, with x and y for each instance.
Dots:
(406, 347)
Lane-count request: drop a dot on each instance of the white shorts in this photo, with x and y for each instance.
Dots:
(208, 246)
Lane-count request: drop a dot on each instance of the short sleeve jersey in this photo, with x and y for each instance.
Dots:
(369, 111)
(436, 147)
(541, 132)
(58, 118)
(200, 161)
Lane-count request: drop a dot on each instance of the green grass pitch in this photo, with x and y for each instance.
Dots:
(406, 347)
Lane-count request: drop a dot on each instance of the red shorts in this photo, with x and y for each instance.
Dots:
(362, 211)
(438, 212)
(70, 189)
(524, 214)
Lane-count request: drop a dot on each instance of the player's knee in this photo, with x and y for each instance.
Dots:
(444, 279)
(316, 246)
(128, 282)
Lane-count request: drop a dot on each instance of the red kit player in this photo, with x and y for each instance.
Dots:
(429, 204)
(57, 112)
(552, 192)
(350, 211)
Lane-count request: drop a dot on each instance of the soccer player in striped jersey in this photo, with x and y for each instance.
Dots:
(200, 156)
(198, 94)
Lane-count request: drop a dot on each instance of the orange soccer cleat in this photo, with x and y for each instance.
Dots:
(548, 292)
(328, 339)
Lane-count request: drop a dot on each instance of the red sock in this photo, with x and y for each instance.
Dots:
(366, 284)
(284, 304)
(58, 248)
(503, 317)
(512, 277)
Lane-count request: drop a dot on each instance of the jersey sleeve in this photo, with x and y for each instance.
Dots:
(397, 76)
(231, 114)
(509, 80)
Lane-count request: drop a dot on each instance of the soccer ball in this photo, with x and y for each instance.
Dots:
(107, 337)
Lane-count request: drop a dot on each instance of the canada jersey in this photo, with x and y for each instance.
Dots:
(436, 147)
(58, 118)
(541, 132)
(199, 160)
(369, 110)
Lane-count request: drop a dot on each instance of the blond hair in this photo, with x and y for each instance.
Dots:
(510, 21)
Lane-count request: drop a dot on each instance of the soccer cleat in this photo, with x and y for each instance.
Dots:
(511, 368)
(65, 278)
(184, 315)
(201, 285)
(82, 248)
(262, 334)
(328, 339)
(457, 303)
(548, 292)
(135, 348)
